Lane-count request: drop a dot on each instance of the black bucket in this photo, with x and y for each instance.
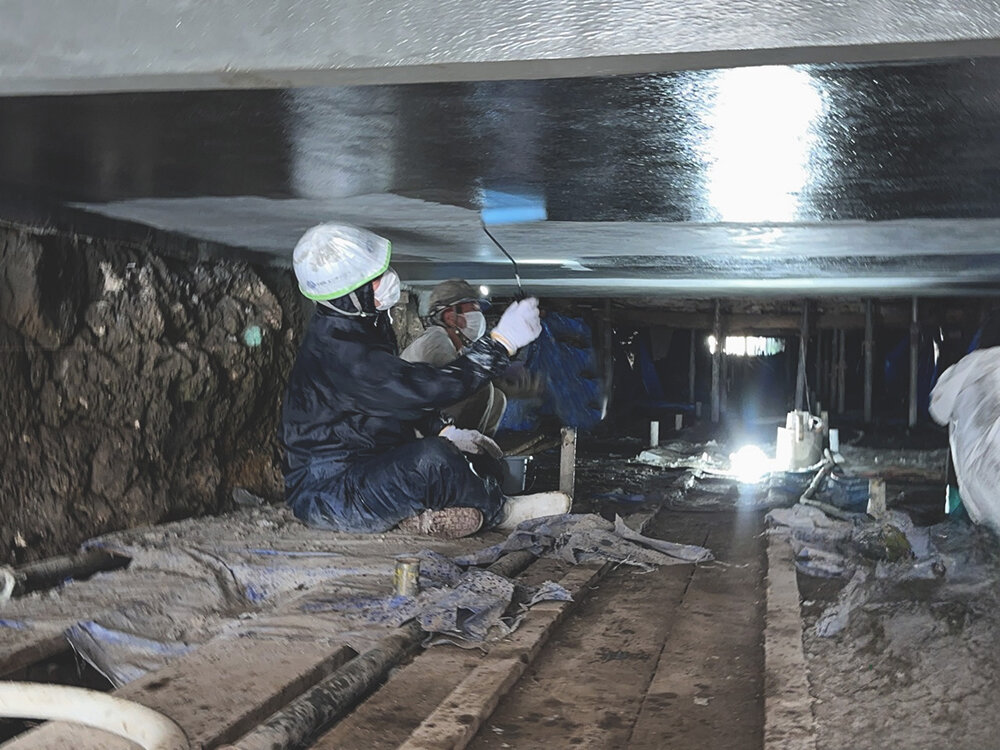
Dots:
(515, 474)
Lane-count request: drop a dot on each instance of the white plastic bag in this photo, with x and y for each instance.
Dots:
(967, 399)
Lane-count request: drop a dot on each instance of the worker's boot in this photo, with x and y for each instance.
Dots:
(525, 507)
(450, 523)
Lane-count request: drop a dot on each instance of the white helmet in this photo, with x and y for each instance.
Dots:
(332, 260)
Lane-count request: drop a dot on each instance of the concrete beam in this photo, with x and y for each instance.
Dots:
(433, 242)
(55, 47)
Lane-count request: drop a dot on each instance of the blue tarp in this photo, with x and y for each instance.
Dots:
(564, 356)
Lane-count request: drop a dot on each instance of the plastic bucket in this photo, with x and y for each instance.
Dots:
(515, 472)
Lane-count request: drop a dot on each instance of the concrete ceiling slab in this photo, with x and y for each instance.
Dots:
(51, 46)
(751, 181)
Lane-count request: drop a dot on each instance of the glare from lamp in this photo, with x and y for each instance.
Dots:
(761, 141)
(749, 464)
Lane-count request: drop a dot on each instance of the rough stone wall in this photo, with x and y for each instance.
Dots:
(406, 320)
(135, 388)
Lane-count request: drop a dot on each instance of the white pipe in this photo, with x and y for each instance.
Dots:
(8, 582)
(144, 726)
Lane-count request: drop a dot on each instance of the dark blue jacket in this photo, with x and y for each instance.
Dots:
(351, 398)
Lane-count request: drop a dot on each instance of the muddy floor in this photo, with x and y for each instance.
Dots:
(668, 658)
(672, 658)
(917, 664)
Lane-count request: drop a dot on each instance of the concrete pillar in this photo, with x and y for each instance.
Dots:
(914, 351)
(800, 380)
(869, 359)
(717, 361)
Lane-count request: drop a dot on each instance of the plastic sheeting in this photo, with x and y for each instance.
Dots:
(578, 538)
(463, 607)
(244, 574)
(967, 399)
(260, 574)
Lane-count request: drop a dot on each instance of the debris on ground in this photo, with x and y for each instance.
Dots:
(899, 617)
(259, 571)
(577, 538)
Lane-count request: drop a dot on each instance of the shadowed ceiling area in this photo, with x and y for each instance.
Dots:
(768, 180)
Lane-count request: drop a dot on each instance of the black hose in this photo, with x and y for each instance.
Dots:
(51, 572)
(323, 704)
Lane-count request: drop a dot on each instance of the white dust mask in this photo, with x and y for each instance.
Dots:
(387, 293)
(475, 325)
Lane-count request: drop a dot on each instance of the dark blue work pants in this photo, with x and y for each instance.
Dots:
(372, 495)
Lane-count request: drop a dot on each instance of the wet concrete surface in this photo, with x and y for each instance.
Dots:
(105, 147)
(809, 143)
(715, 181)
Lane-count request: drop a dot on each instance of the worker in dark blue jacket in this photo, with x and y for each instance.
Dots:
(366, 446)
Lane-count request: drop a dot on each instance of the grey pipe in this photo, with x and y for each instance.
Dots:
(48, 573)
(329, 700)
(807, 497)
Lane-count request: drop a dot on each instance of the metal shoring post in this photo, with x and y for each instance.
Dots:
(842, 372)
(869, 359)
(691, 368)
(800, 379)
(914, 352)
(716, 361)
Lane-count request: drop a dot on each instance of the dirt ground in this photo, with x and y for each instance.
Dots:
(917, 665)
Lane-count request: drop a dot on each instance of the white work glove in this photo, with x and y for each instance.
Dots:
(471, 441)
(519, 325)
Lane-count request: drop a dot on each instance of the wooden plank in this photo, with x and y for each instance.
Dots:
(455, 722)
(707, 685)
(567, 462)
(393, 712)
(891, 314)
(215, 693)
(22, 648)
(626, 669)
(789, 723)
(585, 689)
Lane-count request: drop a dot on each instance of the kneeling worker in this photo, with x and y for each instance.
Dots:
(455, 321)
(353, 459)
